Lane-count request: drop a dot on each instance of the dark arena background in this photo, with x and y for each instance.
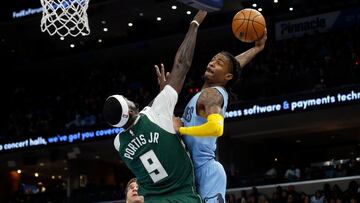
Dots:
(297, 108)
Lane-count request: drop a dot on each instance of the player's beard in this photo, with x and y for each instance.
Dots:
(203, 77)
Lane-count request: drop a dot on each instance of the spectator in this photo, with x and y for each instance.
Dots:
(353, 200)
(290, 199)
(317, 198)
(352, 190)
(338, 200)
(230, 198)
(284, 196)
(254, 196)
(291, 190)
(131, 194)
(271, 175)
(242, 198)
(262, 199)
(276, 198)
(327, 190)
(353, 167)
(292, 174)
(337, 194)
(304, 198)
(340, 171)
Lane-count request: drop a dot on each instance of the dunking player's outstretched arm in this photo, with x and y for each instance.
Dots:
(184, 55)
(245, 57)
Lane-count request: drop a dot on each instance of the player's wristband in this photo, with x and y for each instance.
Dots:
(214, 127)
(196, 22)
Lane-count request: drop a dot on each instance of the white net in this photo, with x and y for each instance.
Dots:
(65, 17)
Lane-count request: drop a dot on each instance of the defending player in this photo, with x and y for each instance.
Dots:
(149, 146)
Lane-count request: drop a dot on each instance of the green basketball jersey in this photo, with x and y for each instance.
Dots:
(159, 161)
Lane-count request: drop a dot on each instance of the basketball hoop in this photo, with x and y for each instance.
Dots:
(65, 17)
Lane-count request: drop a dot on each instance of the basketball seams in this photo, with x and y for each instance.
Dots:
(254, 22)
(243, 14)
(257, 36)
(249, 20)
(239, 26)
(253, 19)
(247, 25)
(241, 19)
(258, 21)
(258, 26)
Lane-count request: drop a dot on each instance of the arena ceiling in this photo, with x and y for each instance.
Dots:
(23, 35)
(108, 21)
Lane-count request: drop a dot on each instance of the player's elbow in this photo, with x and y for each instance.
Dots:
(218, 130)
(182, 60)
(216, 121)
(183, 65)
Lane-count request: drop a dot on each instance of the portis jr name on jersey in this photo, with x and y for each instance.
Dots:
(138, 142)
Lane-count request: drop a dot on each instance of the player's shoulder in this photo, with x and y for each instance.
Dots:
(145, 110)
(170, 90)
(149, 113)
(210, 95)
(211, 92)
(219, 89)
(117, 142)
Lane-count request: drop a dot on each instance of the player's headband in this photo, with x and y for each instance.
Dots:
(116, 111)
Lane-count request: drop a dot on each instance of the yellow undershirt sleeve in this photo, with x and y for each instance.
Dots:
(213, 127)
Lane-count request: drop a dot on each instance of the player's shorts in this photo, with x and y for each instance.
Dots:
(211, 182)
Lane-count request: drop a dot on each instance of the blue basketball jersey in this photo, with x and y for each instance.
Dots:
(202, 149)
(209, 174)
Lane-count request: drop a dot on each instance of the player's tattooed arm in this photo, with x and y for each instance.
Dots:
(210, 100)
(209, 103)
(245, 57)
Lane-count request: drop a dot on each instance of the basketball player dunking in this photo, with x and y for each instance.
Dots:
(203, 119)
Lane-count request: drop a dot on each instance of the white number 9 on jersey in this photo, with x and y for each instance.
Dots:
(153, 166)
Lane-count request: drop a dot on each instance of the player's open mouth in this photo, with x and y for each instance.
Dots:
(209, 70)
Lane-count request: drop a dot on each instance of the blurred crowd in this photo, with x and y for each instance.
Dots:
(327, 194)
(306, 64)
(284, 173)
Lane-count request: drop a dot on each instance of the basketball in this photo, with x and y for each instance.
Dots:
(248, 25)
